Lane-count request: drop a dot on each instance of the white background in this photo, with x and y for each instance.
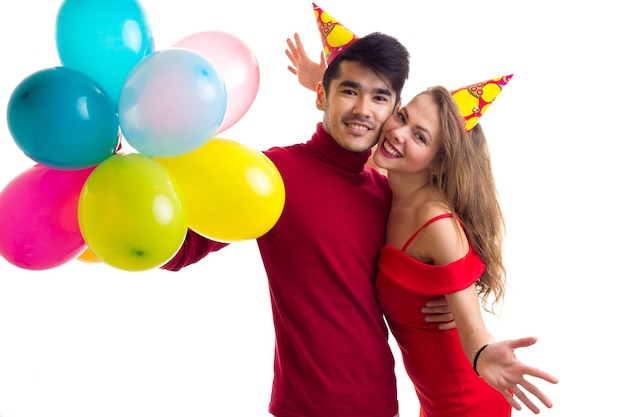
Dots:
(88, 340)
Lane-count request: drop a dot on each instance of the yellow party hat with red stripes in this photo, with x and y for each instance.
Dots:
(475, 99)
(335, 36)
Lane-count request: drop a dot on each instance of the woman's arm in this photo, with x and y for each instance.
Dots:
(495, 362)
(465, 307)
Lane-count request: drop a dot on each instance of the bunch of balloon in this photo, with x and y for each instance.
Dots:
(124, 209)
(233, 192)
(65, 119)
(171, 106)
(131, 212)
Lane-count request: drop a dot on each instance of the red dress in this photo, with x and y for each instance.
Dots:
(443, 377)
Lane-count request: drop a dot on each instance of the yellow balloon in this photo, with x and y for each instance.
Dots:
(131, 213)
(233, 192)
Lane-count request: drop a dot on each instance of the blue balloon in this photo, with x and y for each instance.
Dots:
(60, 118)
(172, 103)
(104, 39)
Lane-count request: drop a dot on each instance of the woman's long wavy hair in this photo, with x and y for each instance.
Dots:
(462, 172)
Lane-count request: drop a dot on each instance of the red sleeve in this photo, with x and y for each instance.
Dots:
(194, 248)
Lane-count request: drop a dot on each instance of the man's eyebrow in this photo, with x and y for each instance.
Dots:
(357, 86)
(349, 83)
(383, 91)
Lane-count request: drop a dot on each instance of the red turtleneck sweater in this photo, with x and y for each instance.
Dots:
(332, 357)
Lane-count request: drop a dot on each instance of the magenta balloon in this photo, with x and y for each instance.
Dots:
(236, 63)
(39, 217)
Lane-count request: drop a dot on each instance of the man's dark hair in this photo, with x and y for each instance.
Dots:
(383, 54)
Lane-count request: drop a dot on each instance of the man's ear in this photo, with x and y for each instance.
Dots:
(320, 96)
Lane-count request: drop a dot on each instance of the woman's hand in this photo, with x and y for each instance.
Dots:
(309, 73)
(499, 367)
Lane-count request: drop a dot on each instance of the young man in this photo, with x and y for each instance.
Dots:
(332, 357)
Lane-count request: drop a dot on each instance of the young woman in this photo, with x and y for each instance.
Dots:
(444, 237)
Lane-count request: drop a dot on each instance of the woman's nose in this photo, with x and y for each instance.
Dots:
(397, 134)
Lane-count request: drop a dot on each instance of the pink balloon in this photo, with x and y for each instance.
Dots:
(237, 65)
(39, 217)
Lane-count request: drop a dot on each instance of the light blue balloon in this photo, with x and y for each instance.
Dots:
(60, 118)
(104, 39)
(172, 103)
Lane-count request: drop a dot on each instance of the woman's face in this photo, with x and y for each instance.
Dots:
(411, 138)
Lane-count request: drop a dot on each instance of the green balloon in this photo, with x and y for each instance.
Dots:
(131, 213)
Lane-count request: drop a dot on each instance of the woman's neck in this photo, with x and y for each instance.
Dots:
(408, 190)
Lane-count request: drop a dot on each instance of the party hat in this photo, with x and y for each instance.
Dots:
(335, 36)
(475, 99)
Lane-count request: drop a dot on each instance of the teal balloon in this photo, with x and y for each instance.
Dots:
(60, 118)
(104, 39)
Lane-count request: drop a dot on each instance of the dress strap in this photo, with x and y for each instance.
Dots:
(414, 235)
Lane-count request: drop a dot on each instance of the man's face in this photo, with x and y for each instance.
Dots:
(356, 106)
